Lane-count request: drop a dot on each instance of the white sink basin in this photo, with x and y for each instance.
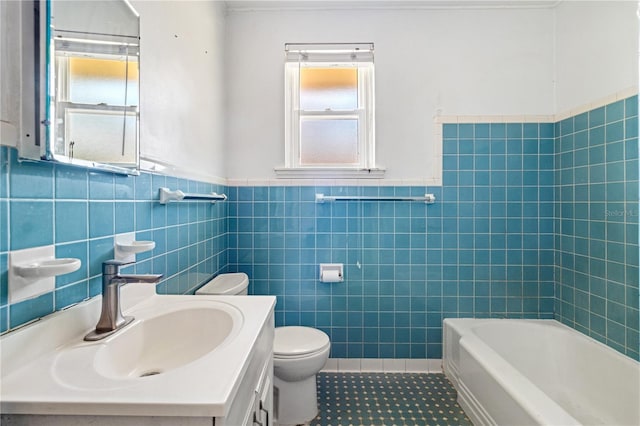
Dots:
(160, 340)
(164, 342)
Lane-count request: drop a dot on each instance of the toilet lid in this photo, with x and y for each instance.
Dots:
(293, 340)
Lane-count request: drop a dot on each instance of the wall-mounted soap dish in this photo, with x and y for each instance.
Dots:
(136, 246)
(32, 271)
(126, 247)
(47, 267)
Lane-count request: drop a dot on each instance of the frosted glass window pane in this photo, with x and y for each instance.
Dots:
(324, 89)
(96, 81)
(99, 136)
(329, 141)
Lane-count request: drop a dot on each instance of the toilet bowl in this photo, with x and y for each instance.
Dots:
(299, 353)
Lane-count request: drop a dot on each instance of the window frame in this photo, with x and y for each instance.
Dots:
(330, 56)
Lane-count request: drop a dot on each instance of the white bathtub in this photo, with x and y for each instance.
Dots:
(538, 372)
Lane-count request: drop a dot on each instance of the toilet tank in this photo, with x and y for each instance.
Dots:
(227, 284)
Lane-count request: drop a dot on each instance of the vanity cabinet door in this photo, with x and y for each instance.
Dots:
(264, 403)
(259, 412)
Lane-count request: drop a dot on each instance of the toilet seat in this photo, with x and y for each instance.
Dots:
(226, 284)
(298, 342)
(320, 353)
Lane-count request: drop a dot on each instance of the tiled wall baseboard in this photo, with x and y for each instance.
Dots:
(383, 365)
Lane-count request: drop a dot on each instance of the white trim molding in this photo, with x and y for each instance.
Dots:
(328, 173)
(531, 118)
(375, 177)
(383, 365)
(334, 182)
(623, 94)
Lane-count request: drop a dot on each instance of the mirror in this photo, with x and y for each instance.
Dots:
(90, 85)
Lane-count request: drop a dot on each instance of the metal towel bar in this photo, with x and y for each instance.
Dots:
(321, 198)
(167, 195)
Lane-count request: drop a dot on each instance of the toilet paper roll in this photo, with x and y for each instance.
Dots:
(330, 276)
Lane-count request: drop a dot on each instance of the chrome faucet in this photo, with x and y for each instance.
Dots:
(111, 318)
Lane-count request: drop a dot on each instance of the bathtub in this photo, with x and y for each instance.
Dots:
(538, 372)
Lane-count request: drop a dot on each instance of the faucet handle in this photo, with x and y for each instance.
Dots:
(116, 262)
(113, 266)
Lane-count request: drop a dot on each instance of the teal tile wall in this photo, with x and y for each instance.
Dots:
(80, 211)
(484, 249)
(597, 224)
(532, 220)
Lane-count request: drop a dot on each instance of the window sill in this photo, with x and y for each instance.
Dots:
(328, 173)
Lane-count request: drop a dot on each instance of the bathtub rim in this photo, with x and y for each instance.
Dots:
(496, 366)
(516, 385)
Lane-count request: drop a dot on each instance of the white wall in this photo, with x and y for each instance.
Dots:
(596, 51)
(466, 62)
(182, 86)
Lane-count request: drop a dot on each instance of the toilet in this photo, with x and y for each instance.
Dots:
(299, 353)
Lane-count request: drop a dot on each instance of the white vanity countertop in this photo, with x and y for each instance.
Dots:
(33, 377)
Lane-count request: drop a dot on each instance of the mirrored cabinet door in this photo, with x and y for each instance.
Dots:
(87, 83)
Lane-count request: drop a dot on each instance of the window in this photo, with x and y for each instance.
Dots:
(329, 110)
(97, 100)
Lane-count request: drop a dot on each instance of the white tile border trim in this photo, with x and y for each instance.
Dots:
(155, 166)
(473, 119)
(623, 94)
(335, 182)
(530, 118)
(382, 365)
(438, 121)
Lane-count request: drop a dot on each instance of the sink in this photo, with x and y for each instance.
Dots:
(164, 342)
(156, 343)
(182, 356)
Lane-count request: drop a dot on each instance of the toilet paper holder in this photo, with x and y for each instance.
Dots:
(331, 272)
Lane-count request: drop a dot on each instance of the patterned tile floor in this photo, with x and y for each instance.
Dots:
(387, 399)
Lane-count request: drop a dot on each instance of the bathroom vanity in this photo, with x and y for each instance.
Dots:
(184, 360)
